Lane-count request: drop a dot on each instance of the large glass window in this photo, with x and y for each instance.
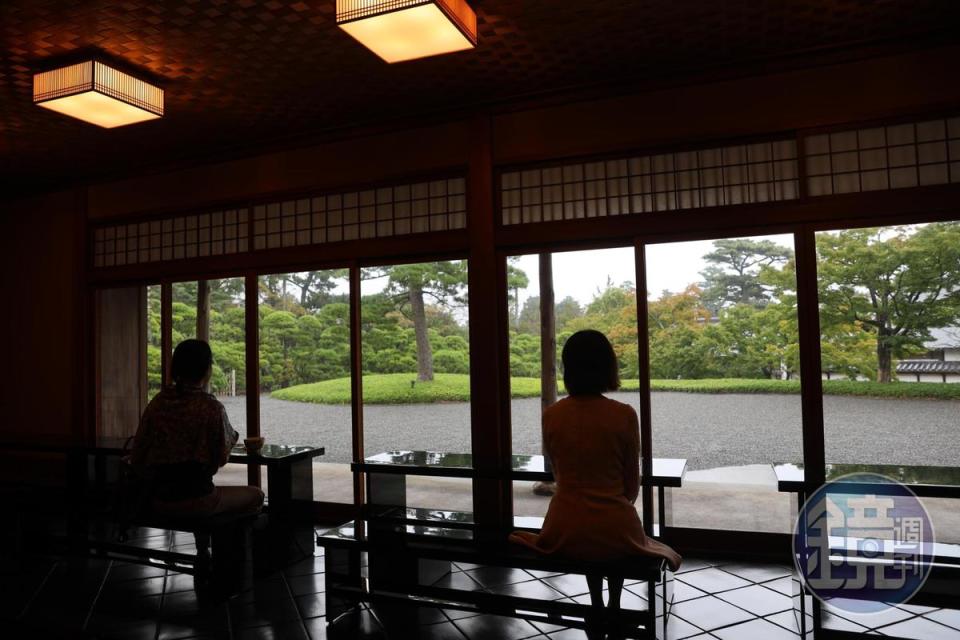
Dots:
(305, 371)
(590, 290)
(725, 376)
(416, 370)
(890, 349)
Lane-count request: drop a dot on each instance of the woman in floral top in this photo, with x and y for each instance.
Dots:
(185, 437)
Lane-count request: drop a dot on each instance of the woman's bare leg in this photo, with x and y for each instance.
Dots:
(595, 583)
(615, 585)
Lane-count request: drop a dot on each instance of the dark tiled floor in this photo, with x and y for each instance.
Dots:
(58, 597)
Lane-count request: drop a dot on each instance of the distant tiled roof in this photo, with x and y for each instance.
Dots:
(928, 366)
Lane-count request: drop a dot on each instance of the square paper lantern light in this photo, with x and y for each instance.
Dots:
(398, 30)
(94, 92)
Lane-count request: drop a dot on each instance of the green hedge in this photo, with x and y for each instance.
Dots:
(402, 388)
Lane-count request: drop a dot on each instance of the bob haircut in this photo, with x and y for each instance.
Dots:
(191, 360)
(589, 364)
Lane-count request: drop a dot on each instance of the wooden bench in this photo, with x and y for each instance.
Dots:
(223, 555)
(409, 550)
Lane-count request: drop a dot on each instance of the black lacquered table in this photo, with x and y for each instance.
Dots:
(386, 474)
(289, 471)
(289, 467)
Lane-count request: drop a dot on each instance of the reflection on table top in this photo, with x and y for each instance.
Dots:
(666, 471)
(923, 480)
(275, 453)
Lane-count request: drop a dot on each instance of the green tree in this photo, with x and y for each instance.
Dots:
(409, 285)
(733, 274)
(895, 282)
(516, 280)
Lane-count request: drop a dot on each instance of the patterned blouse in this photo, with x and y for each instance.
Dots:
(183, 438)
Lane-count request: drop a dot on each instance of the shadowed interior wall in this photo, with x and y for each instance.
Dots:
(41, 322)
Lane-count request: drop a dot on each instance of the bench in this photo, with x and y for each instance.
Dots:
(409, 550)
(223, 555)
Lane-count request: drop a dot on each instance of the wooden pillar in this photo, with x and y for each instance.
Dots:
(548, 334)
(356, 382)
(548, 344)
(203, 315)
(489, 384)
(203, 310)
(646, 425)
(251, 299)
(811, 384)
(166, 330)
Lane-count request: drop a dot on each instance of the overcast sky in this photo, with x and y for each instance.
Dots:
(671, 266)
(580, 274)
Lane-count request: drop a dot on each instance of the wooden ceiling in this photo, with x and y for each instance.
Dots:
(244, 74)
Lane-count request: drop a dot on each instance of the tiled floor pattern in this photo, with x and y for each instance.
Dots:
(46, 597)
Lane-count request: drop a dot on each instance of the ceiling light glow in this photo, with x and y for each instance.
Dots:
(96, 93)
(399, 30)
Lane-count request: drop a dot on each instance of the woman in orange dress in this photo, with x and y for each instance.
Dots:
(594, 445)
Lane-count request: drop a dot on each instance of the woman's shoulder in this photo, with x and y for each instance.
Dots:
(618, 408)
(597, 403)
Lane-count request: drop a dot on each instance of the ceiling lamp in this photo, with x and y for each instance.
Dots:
(94, 92)
(398, 30)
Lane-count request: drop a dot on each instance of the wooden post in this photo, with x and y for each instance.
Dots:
(166, 330)
(251, 299)
(356, 382)
(203, 315)
(643, 355)
(488, 316)
(548, 334)
(548, 355)
(811, 382)
(203, 310)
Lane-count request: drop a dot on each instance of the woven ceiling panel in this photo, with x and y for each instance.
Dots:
(241, 72)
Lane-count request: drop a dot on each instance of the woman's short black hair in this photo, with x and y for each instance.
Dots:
(191, 359)
(589, 364)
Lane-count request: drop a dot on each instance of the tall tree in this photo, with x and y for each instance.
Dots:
(733, 274)
(409, 284)
(896, 282)
(516, 280)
